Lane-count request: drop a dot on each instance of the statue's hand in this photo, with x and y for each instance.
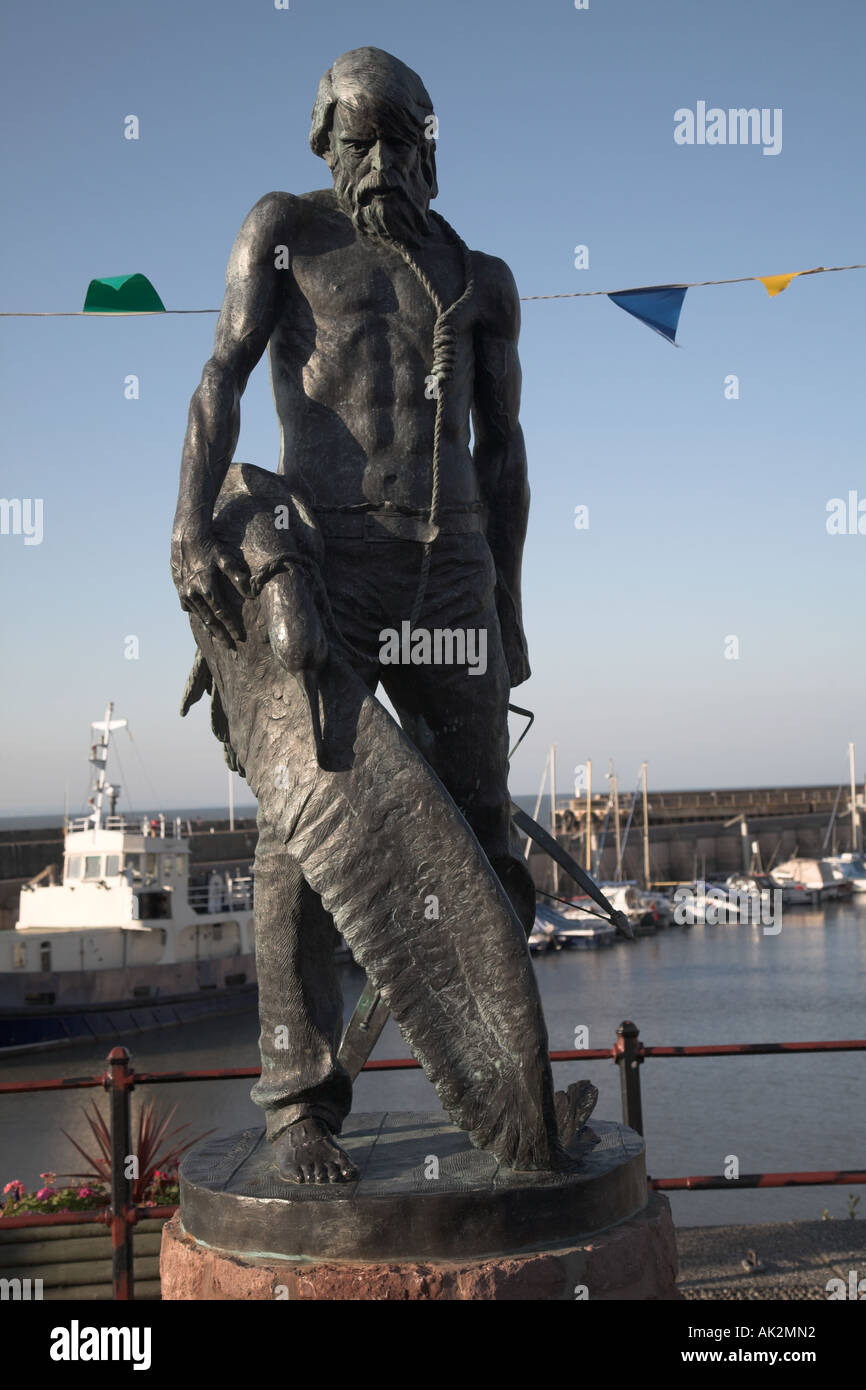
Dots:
(208, 577)
(295, 629)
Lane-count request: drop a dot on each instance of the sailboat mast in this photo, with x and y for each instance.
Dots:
(646, 854)
(854, 819)
(615, 782)
(553, 811)
(538, 800)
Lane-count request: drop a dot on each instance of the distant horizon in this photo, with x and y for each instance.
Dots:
(12, 819)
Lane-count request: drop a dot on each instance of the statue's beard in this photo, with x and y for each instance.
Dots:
(400, 215)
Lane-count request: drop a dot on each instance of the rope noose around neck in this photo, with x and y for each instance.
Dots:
(444, 360)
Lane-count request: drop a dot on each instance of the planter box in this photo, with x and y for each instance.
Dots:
(74, 1262)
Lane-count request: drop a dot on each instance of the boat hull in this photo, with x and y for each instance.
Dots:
(73, 1006)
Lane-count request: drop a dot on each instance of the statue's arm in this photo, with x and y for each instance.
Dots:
(253, 299)
(499, 451)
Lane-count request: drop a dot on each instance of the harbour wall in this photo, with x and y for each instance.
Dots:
(692, 834)
(699, 849)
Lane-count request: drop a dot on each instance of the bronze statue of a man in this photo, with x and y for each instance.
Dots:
(386, 336)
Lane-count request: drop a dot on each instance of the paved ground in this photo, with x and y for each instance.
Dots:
(786, 1259)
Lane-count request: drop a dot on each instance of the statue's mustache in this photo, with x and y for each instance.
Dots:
(372, 188)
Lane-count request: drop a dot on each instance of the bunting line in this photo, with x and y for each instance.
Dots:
(691, 284)
(525, 298)
(99, 313)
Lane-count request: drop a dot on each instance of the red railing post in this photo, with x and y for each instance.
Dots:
(628, 1054)
(119, 1081)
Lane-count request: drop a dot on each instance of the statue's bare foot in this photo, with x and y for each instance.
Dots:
(308, 1152)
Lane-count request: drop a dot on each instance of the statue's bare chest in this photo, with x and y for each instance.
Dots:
(365, 289)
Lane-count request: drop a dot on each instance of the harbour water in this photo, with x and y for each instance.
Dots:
(718, 984)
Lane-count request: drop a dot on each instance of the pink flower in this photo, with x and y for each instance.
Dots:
(85, 1192)
(45, 1192)
(14, 1187)
(48, 1177)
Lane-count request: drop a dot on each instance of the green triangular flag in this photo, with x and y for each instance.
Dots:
(122, 294)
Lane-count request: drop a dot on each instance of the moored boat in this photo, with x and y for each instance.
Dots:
(812, 880)
(543, 935)
(580, 928)
(123, 941)
(704, 904)
(852, 867)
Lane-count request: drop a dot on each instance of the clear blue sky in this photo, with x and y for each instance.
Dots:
(707, 516)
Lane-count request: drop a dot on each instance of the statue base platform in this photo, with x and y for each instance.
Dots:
(429, 1218)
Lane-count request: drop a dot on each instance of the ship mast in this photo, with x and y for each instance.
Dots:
(99, 762)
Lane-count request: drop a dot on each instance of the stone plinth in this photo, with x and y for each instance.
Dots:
(429, 1218)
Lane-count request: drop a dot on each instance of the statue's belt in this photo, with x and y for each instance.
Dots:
(384, 524)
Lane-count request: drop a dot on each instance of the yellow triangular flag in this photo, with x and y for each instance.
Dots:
(774, 284)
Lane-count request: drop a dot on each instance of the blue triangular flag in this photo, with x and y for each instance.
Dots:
(658, 307)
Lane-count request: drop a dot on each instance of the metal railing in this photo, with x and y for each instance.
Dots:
(150, 827)
(628, 1053)
(230, 893)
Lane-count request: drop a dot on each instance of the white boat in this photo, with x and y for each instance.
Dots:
(585, 935)
(704, 904)
(852, 867)
(123, 941)
(580, 929)
(757, 896)
(543, 935)
(660, 905)
(814, 880)
(639, 907)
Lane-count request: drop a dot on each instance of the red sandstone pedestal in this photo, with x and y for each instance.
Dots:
(430, 1218)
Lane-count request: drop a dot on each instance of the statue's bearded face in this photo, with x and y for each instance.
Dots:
(379, 175)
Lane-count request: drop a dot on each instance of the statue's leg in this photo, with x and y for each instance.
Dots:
(460, 721)
(303, 1089)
